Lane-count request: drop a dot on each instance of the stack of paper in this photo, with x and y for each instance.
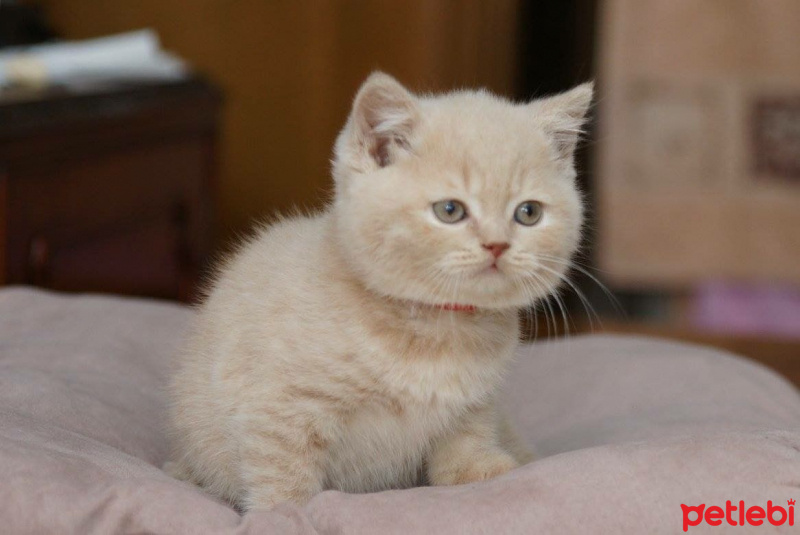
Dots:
(130, 56)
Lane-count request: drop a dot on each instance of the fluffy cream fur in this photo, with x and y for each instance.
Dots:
(323, 358)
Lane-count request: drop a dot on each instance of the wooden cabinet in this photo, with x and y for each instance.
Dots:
(108, 190)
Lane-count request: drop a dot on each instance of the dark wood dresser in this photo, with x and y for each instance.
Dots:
(108, 189)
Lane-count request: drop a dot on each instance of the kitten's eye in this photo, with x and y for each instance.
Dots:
(528, 213)
(449, 211)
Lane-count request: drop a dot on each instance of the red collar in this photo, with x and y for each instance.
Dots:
(455, 307)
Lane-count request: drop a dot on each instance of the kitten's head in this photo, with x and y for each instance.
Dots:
(463, 198)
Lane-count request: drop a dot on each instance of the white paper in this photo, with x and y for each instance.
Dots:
(130, 55)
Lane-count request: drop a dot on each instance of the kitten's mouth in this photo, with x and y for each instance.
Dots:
(492, 268)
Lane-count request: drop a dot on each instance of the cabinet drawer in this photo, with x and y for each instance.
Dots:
(125, 221)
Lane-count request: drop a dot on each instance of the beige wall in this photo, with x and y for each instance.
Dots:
(289, 70)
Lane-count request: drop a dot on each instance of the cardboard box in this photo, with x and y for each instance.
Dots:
(699, 142)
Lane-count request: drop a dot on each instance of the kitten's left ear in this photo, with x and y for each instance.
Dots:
(564, 116)
(381, 123)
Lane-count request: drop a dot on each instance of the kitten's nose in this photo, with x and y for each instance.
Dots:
(496, 248)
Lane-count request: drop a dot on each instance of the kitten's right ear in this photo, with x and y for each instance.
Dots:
(563, 117)
(381, 123)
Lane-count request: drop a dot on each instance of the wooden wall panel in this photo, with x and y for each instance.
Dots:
(290, 69)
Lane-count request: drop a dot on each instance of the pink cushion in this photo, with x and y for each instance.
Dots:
(627, 430)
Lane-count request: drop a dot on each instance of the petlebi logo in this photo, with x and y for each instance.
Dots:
(738, 515)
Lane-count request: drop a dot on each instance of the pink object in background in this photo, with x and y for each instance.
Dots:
(754, 309)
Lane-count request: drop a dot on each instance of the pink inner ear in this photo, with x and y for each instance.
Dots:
(380, 151)
(385, 115)
(566, 141)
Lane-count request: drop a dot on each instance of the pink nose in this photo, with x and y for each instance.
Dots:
(496, 248)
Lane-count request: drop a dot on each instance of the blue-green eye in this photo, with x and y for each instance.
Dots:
(528, 213)
(450, 211)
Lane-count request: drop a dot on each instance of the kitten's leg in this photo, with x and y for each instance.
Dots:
(511, 442)
(280, 462)
(472, 453)
(175, 469)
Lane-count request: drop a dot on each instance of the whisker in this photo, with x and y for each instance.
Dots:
(555, 296)
(584, 301)
(530, 311)
(577, 267)
(546, 307)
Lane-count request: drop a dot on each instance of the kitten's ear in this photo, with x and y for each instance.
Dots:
(564, 116)
(383, 118)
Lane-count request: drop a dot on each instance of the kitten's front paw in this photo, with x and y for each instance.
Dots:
(176, 470)
(479, 468)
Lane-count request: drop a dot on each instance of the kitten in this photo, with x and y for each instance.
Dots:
(361, 349)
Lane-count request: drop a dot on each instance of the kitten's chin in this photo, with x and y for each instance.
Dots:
(486, 288)
(490, 292)
(493, 288)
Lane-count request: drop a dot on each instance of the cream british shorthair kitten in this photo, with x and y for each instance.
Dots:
(361, 349)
